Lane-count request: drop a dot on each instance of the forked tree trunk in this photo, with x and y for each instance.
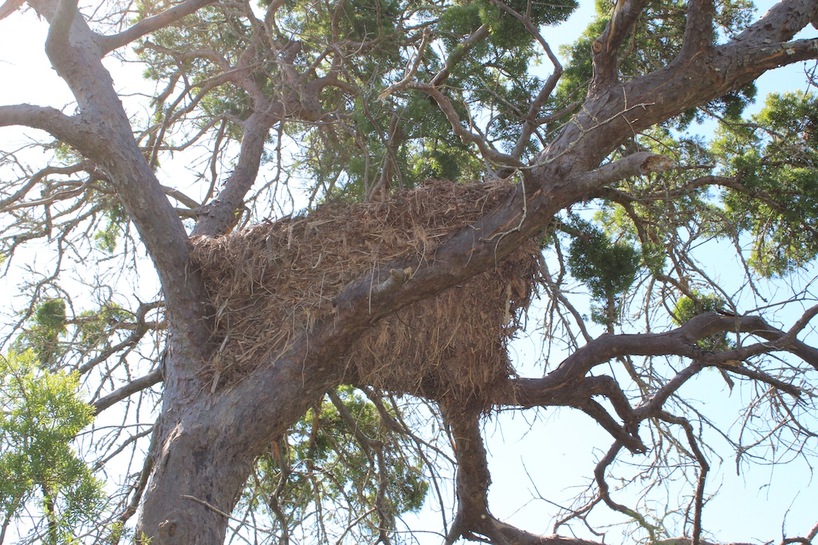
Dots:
(205, 447)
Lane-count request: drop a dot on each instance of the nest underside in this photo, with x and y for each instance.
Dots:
(272, 282)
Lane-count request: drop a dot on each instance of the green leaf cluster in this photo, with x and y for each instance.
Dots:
(506, 31)
(48, 324)
(775, 161)
(115, 219)
(606, 266)
(95, 326)
(41, 414)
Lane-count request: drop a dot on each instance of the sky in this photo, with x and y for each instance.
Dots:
(530, 456)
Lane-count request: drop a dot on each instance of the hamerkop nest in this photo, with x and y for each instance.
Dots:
(273, 281)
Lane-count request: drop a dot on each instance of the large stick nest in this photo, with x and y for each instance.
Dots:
(271, 282)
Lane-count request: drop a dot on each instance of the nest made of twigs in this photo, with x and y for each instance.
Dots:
(273, 281)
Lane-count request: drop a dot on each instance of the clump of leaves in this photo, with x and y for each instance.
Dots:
(606, 266)
(48, 324)
(95, 326)
(107, 236)
(41, 414)
(775, 161)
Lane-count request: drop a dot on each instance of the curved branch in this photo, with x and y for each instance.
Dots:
(45, 118)
(605, 47)
(704, 469)
(57, 40)
(488, 152)
(604, 491)
(149, 24)
(218, 217)
(38, 177)
(459, 52)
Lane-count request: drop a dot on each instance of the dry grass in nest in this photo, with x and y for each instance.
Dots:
(274, 280)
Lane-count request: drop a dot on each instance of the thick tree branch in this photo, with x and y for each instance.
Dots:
(219, 216)
(57, 40)
(699, 30)
(150, 24)
(636, 164)
(63, 127)
(109, 142)
(550, 390)
(612, 113)
(606, 47)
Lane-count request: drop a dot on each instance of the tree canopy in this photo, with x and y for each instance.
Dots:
(272, 261)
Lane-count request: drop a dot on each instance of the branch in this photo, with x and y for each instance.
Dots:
(530, 121)
(9, 7)
(521, 537)
(596, 411)
(50, 120)
(57, 41)
(780, 24)
(488, 152)
(550, 390)
(699, 31)
(458, 53)
(149, 24)
(136, 385)
(410, 70)
(608, 116)
(636, 164)
(605, 47)
(604, 491)
(38, 177)
(218, 216)
(106, 137)
(704, 469)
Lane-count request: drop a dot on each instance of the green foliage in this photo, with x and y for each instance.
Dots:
(607, 267)
(48, 324)
(115, 219)
(776, 163)
(50, 315)
(41, 414)
(367, 141)
(687, 307)
(506, 32)
(94, 326)
(324, 461)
